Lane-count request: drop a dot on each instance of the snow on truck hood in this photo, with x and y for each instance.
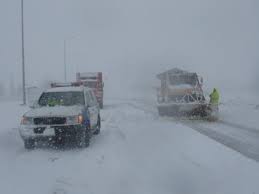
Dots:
(62, 111)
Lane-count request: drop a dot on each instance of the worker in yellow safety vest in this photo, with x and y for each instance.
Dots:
(214, 97)
(214, 102)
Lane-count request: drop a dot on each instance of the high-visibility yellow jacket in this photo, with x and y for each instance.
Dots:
(214, 97)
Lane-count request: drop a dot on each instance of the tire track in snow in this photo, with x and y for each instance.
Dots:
(110, 129)
(240, 138)
(235, 125)
(245, 148)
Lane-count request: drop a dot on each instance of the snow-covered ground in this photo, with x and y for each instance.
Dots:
(241, 109)
(238, 127)
(136, 152)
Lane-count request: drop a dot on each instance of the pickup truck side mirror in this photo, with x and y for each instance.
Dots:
(87, 105)
(34, 105)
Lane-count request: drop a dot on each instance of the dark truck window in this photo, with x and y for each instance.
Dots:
(61, 99)
(178, 80)
(91, 84)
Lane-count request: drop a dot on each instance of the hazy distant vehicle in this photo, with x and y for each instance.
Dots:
(93, 80)
(62, 114)
(181, 94)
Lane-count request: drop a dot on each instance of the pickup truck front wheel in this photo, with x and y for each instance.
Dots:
(29, 144)
(83, 138)
(98, 127)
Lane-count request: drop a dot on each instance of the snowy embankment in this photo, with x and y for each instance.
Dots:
(238, 125)
(240, 109)
(136, 152)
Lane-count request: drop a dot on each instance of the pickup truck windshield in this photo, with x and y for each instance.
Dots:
(61, 99)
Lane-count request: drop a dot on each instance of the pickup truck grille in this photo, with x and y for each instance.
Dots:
(50, 121)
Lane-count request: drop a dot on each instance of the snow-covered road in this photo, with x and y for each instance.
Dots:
(136, 152)
(237, 128)
(242, 139)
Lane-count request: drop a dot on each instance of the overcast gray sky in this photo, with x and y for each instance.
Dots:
(124, 38)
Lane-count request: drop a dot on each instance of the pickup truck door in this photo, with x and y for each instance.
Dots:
(95, 106)
(91, 110)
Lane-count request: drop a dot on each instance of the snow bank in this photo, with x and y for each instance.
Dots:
(240, 109)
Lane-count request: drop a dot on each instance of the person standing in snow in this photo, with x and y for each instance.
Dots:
(214, 100)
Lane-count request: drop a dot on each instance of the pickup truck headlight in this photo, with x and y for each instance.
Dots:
(78, 119)
(27, 121)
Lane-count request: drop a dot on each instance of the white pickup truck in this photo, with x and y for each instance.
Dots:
(62, 114)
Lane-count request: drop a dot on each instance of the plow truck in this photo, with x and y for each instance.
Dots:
(181, 94)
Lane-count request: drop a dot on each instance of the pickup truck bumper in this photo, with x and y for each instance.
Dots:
(49, 132)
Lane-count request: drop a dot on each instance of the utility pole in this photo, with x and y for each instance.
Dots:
(65, 61)
(23, 57)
